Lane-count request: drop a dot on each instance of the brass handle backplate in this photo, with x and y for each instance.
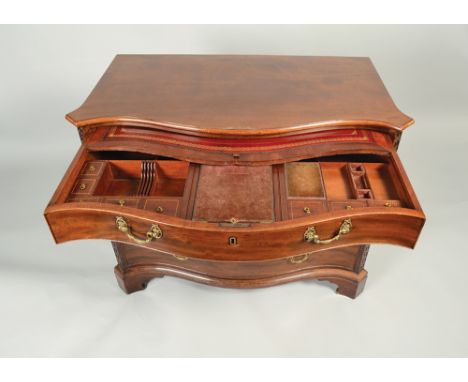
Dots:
(180, 258)
(299, 259)
(310, 235)
(154, 232)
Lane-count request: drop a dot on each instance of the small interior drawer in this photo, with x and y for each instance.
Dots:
(384, 203)
(162, 206)
(300, 208)
(84, 187)
(93, 168)
(347, 205)
(124, 201)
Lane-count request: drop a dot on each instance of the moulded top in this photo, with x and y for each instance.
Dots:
(239, 95)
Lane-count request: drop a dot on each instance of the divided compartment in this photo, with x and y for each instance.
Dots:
(358, 180)
(366, 181)
(143, 178)
(381, 182)
(342, 183)
(129, 180)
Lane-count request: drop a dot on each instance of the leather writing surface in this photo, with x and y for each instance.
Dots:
(239, 192)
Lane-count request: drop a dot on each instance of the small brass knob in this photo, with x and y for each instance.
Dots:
(307, 210)
(83, 186)
(387, 204)
(122, 202)
(159, 209)
(348, 207)
(92, 168)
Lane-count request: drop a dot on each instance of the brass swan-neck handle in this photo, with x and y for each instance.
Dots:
(311, 236)
(154, 232)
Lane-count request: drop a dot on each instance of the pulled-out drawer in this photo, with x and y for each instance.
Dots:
(151, 202)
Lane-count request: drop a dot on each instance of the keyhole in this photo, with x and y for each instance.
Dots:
(232, 240)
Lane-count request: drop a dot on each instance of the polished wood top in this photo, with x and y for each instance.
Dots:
(239, 95)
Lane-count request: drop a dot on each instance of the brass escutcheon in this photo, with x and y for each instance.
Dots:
(83, 186)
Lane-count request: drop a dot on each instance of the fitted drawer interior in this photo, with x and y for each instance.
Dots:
(241, 195)
(343, 182)
(142, 177)
(138, 181)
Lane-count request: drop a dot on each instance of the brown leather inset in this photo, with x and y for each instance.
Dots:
(304, 179)
(239, 192)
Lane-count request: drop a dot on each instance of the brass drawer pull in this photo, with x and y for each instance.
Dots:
(154, 233)
(299, 259)
(311, 236)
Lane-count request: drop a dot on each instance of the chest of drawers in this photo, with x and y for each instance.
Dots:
(238, 171)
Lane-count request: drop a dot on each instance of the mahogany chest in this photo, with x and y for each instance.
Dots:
(238, 171)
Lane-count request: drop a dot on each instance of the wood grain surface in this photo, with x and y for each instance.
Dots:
(239, 95)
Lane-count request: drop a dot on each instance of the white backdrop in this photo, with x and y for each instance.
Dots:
(64, 301)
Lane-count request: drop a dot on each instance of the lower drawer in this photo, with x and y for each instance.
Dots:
(347, 258)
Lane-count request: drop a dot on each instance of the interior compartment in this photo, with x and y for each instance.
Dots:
(143, 178)
(304, 179)
(344, 182)
(119, 178)
(240, 194)
(336, 181)
(171, 177)
(380, 181)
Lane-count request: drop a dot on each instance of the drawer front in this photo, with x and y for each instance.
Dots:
(84, 187)
(303, 207)
(168, 207)
(123, 201)
(340, 206)
(348, 258)
(384, 203)
(208, 241)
